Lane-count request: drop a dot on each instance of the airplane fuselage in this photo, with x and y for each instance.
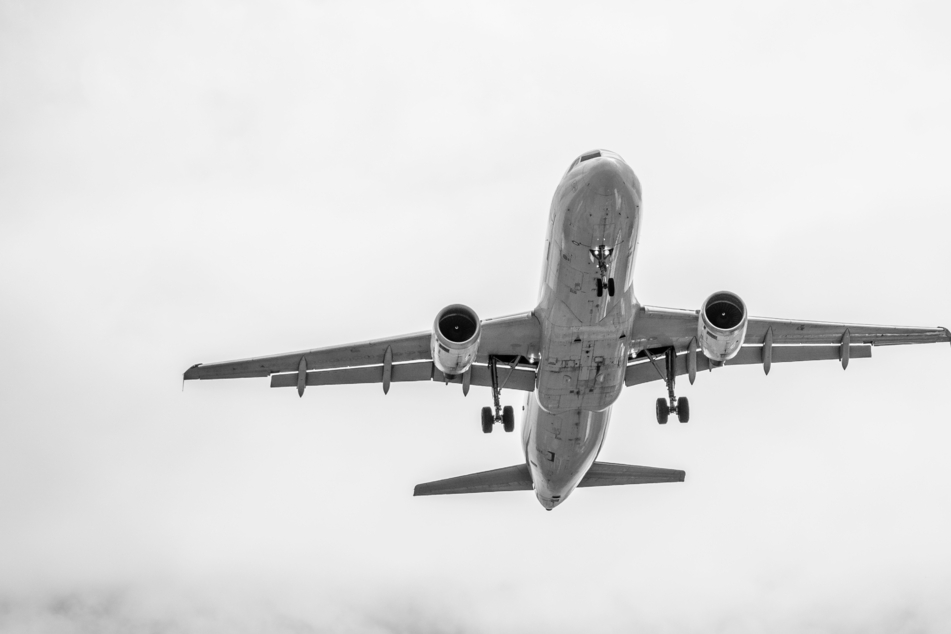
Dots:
(585, 344)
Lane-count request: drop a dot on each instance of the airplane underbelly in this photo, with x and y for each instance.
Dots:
(561, 448)
(585, 337)
(583, 369)
(585, 347)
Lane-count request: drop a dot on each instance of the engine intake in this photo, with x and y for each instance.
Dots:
(456, 334)
(722, 326)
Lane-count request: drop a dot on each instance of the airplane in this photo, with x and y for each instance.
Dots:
(586, 339)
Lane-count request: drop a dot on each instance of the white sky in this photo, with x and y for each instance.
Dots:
(200, 181)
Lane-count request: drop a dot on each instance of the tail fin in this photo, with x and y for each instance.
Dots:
(517, 478)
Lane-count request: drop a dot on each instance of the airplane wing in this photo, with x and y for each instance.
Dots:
(767, 341)
(512, 339)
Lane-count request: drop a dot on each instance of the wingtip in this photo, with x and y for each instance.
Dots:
(191, 373)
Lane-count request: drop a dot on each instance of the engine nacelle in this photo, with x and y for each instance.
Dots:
(722, 326)
(456, 334)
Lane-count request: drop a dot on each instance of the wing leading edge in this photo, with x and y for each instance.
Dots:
(395, 359)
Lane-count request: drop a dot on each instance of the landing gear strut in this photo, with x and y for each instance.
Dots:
(504, 415)
(600, 256)
(679, 406)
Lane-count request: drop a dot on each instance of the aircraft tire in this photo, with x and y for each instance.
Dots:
(611, 286)
(600, 287)
(508, 418)
(488, 420)
(683, 409)
(663, 411)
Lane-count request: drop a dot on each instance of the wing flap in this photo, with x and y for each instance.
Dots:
(515, 478)
(522, 379)
(643, 371)
(605, 474)
(402, 373)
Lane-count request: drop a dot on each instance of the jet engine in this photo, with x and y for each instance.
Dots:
(456, 334)
(722, 326)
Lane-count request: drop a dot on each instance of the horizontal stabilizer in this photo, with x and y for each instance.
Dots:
(517, 478)
(606, 474)
(514, 478)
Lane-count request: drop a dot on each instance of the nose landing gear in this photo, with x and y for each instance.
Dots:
(602, 285)
(600, 256)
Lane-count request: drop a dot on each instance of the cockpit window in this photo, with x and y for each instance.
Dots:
(590, 155)
(572, 166)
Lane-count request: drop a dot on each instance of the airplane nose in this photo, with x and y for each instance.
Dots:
(603, 176)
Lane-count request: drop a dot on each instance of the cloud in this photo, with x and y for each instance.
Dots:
(296, 606)
(164, 610)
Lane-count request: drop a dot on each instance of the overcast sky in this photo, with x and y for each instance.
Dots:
(187, 182)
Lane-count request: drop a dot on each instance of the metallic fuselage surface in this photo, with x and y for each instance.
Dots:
(585, 338)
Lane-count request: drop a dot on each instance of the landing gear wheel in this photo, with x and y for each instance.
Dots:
(683, 409)
(508, 418)
(600, 287)
(663, 411)
(611, 287)
(487, 420)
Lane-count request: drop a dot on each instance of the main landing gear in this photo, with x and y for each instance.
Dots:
(507, 419)
(504, 415)
(679, 406)
(600, 256)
